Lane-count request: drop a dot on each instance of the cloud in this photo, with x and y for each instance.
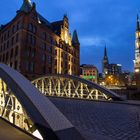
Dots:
(94, 41)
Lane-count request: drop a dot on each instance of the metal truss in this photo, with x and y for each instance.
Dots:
(23, 105)
(72, 87)
(12, 110)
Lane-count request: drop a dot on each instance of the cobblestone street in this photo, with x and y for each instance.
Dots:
(101, 120)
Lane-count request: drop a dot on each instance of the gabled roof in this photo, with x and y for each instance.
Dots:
(43, 20)
(57, 26)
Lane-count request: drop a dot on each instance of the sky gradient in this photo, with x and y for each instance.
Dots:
(97, 22)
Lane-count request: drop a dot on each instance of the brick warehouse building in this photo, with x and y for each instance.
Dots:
(34, 46)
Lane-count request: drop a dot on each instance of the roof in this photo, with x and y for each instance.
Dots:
(88, 66)
(57, 26)
(43, 20)
(75, 39)
(26, 6)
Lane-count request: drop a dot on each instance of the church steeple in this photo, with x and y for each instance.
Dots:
(26, 6)
(105, 62)
(138, 23)
(105, 52)
(75, 39)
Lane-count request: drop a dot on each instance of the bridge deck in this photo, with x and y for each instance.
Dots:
(10, 132)
(101, 120)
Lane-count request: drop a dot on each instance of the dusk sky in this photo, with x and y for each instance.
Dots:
(96, 21)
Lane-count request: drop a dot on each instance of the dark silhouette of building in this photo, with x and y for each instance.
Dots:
(137, 53)
(105, 62)
(109, 69)
(34, 46)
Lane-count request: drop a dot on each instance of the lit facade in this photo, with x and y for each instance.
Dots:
(35, 47)
(137, 53)
(89, 72)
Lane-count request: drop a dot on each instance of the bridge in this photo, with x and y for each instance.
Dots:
(68, 86)
(23, 103)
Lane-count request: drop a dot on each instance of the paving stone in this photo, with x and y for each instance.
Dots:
(101, 120)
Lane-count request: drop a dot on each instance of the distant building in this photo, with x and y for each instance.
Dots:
(110, 69)
(89, 72)
(114, 69)
(105, 63)
(34, 46)
(137, 53)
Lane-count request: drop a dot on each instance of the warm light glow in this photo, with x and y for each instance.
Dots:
(37, 134)
(137, 70)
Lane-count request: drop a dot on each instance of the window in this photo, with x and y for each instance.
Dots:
(16, 65)
(31, 39)
(11, 64)
(32, 28)
(2, 39)
(18, 24)
(32, 67)
(4, 47)
(44, 57)
(17, 38)
(49, 59)
(50, 49)
(1, 48)
(7, 44)
(65, 56)
(44, 69)
(16, 51)
(3, 57)
(8, 34)
(44, 36)
(27, 66)
(14, 29)
(12, 41)
(56, 52)
(7, 55)
(11, 53)
(33, 53)
(55, 62)
(4, 36)
(44, 46)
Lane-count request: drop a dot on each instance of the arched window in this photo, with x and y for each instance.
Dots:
(11, 55)
(16, 51)
(32, 28)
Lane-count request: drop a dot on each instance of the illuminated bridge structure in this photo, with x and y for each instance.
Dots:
(23, 105)
(68, 86)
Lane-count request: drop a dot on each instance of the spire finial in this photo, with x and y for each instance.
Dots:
(138, 23)
(75, 39)
(26, 6)
(105, 51)
(137, 17)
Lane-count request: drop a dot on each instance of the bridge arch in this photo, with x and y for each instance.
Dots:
(50, 122)
(69, 86)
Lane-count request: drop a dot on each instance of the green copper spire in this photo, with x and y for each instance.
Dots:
(26, 6)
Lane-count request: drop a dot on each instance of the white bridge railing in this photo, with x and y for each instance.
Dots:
(72, 87)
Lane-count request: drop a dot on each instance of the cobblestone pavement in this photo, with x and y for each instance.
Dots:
(101, 120)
